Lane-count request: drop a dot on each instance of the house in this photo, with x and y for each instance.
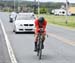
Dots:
(60, 12)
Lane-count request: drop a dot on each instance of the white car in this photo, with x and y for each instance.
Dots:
(24, 22)
(12, 16)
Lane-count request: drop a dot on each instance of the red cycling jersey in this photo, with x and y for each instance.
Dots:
(37, 26)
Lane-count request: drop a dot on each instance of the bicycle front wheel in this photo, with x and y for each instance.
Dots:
(40, 54)
(40, 50)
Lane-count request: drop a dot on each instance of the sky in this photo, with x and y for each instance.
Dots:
(71, 1)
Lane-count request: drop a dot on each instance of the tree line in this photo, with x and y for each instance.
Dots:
(45, 7)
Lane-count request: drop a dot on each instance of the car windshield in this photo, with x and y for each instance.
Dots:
(25, 17)
(13, 14)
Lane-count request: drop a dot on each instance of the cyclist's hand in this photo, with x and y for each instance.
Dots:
(41, 30)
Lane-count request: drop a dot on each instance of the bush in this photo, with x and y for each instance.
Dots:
(43, 10)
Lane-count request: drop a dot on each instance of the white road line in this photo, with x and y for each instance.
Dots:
(10, 51)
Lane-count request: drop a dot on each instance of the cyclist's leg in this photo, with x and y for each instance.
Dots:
(35, 42)
(43, 40)
(44, 34)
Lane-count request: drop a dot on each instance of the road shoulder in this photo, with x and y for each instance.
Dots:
(4, 56)
(65, 27)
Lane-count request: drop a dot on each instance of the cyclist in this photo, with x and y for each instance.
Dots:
(40, 23)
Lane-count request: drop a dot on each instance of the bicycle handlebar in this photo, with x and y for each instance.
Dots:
(41, 30)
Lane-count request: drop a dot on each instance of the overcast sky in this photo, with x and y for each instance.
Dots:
(71, 1)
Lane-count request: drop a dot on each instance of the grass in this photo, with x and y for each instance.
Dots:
(60, 20)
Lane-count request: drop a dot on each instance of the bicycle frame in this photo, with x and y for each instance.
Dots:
(39, 45)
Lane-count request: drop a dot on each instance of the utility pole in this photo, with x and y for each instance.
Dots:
(18, 2)
(34, 6)
(38, 8)
(14, 5)
(66, 11)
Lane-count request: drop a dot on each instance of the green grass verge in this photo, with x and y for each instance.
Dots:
(60, 20)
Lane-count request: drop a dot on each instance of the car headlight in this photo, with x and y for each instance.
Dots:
(18, 24)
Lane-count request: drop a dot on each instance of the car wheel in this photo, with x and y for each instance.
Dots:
(11, 20)
(14, 30)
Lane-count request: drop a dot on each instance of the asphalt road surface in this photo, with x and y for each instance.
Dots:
(4, 56)
(59, 46)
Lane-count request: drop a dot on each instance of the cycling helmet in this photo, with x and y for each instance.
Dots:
(41, 19)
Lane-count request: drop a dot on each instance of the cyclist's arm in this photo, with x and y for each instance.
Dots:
(36, 24)
(44, 26)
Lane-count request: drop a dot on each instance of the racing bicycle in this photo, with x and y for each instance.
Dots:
(39, 43)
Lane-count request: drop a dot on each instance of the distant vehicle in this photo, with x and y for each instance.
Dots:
(12, 16)
(24, 22)
(60, 12)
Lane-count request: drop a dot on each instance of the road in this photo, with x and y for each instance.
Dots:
(59, 46)
(4, 56)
